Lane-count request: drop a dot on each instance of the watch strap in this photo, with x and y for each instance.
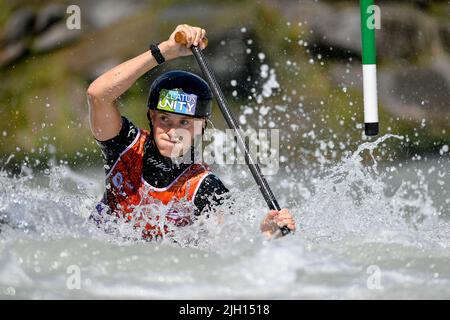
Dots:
(156, 53)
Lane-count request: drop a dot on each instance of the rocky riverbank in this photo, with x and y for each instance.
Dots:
(299, 59)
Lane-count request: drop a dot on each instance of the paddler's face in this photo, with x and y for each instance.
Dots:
(174, 134)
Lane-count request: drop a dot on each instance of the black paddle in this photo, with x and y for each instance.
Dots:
(180, 37)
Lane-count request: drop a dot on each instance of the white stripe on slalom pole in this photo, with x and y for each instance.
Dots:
(370, 93)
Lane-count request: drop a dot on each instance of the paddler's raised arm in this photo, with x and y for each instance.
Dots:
(105, 118)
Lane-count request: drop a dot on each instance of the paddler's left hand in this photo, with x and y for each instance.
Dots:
(275, 220)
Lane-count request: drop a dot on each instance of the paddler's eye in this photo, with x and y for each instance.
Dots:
(163, 118)
(184, 122)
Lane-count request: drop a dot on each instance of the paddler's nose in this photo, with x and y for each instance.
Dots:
(174, 136)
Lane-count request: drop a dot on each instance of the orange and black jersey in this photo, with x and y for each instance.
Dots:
(159, 171)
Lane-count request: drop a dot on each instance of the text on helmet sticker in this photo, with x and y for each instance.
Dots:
(177, 101)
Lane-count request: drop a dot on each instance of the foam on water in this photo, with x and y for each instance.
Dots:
(352, 218)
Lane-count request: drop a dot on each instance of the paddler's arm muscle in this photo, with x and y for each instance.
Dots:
(104, 116)
(105, 119)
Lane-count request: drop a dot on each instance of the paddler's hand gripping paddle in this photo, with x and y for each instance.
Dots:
(180, 37)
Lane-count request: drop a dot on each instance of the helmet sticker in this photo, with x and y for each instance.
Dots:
(177, 101)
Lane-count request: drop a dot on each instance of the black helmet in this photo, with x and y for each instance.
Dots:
(181, 92)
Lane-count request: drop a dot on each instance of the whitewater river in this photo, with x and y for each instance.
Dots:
(365, 231)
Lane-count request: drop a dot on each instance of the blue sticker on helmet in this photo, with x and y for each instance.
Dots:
(177, 101)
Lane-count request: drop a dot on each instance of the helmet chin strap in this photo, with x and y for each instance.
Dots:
(150, 125)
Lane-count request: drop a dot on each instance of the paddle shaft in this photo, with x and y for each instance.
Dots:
(233, 124)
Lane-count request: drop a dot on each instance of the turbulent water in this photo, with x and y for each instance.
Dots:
(364, 231)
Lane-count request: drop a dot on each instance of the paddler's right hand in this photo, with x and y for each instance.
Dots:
(170, 49)
(275, 220)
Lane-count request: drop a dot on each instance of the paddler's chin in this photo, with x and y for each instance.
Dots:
(171, 149)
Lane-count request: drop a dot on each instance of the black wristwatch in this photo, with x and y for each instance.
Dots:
(157, 53)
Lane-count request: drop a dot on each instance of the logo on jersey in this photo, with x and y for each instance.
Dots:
(117, 180)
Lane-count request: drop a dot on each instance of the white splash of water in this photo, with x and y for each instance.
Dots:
(348, 219)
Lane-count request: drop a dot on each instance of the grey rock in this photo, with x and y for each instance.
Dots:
(103, 13)
(56, 37)
(418, 93)
(405, 33)
(19, 25)
(444, 34)
(101, 68)
(233, 62)
(48, 16)
(12, 53)
(191, 10)
(339, 30)
(227, 55)
(324, 24)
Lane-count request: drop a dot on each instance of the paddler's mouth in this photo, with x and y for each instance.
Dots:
(172, 141)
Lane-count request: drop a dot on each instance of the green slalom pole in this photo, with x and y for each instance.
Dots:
(369, 60)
